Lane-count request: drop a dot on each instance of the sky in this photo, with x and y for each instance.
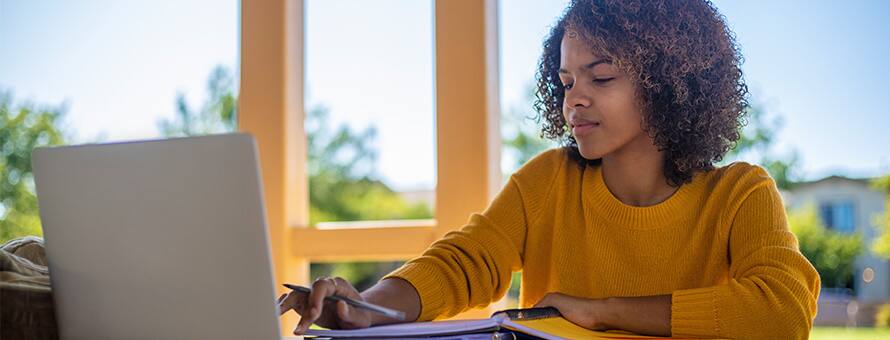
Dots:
(820, 66)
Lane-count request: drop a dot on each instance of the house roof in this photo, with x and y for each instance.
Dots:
(863, 181)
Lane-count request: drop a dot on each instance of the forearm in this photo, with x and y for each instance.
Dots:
(650, 315)
(393, 293)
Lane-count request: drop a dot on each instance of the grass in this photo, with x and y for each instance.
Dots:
(841, 333)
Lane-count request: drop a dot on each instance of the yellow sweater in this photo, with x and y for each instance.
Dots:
(720, 245)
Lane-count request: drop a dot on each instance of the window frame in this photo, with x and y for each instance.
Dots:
(468, 141)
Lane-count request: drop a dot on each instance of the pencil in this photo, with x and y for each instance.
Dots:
(392, 313)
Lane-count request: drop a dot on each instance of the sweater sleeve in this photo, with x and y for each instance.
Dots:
(471, 267)
(773, 288)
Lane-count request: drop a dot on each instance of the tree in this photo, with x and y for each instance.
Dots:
(832, 253)
(521, 134)
(881, 245)
(341, 164)
(218, 114)
(23, 128)
(756, 142)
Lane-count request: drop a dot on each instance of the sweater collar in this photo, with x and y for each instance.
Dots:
(681, 206)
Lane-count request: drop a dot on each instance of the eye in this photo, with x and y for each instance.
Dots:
(568, 86)
(603, 80)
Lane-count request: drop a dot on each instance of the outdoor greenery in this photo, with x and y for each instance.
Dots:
(832, 253)
(22, 128)
(882, 243)
(841, 333)
(345, 187)
(341, 162)
(757, 142)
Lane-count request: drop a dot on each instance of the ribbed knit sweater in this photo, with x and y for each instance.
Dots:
(720, 246)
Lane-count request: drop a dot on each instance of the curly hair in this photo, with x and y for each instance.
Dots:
(686, 66)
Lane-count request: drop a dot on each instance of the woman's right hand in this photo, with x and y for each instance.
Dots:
(314, 309)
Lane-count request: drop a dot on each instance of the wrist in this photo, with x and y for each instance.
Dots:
(605, 313)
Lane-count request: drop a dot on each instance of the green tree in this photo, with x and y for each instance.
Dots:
(341, 176)
(218, 114)
(756, 142)
(341, 163)
(520, 133)
(832, 253)
(881, 245)
(22, 128)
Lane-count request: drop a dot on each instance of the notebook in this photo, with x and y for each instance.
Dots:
(542, 323)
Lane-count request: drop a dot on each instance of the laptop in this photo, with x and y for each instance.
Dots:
(162, 239)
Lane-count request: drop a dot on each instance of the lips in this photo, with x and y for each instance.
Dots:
(582, 126)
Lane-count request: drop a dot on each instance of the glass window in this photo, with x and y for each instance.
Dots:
(523, 25)
(839, 216)
(369, 103)
(82, 72)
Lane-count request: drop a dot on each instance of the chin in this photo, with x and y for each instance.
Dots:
(590, 153)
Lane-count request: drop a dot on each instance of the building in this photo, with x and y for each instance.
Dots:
(849, 205)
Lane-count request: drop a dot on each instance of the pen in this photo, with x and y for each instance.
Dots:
(392, 313)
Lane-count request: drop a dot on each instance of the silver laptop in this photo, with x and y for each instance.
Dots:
(157, 239)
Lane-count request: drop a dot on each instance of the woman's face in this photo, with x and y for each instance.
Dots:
(600, 106)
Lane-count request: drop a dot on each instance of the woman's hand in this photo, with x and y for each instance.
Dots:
(649, 315)
(587, 313)
(314, 309)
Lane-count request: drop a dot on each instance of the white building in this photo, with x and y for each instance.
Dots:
(850, 205)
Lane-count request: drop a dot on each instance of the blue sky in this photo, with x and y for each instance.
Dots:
(819, 65)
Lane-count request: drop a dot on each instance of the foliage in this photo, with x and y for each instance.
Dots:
(882, 316)
(881, 245)
(22, 128)
(218, 114)
(521, 134)
(832, 253)
(341, 177)
(341, 162)
(756, 142)
(849, 333)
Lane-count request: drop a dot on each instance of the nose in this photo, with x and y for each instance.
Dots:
(577, 99)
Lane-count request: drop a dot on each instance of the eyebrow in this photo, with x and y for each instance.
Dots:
(588, 66)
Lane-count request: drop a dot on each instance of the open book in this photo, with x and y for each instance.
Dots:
(543, 323)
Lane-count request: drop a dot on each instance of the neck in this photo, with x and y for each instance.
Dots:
(635, 174)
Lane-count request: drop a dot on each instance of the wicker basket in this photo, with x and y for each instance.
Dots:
(26, 311)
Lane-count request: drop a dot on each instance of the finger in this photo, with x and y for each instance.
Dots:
(294, 300)
(343, 313)
(344, 288)
(321, 288)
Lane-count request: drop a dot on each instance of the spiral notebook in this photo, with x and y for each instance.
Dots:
(531, 323)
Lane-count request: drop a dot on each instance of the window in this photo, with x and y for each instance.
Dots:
(85, 72)
(523, 25)
(839, 216)
(369, 110)
(272, 107)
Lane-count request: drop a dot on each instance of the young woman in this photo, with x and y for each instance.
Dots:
(629, 225)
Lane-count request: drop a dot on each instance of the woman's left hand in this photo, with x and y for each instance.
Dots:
(587, 313)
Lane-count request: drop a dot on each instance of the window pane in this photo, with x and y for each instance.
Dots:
(369, 104)
(826, 212)
(76, 72)
(523, 24)
(846, 217)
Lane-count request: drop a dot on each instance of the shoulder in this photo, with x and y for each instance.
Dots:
(545, 165)
(537, 176)
(739, 177)
(742, 184)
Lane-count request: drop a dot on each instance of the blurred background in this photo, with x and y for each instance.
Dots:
(100, 71)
